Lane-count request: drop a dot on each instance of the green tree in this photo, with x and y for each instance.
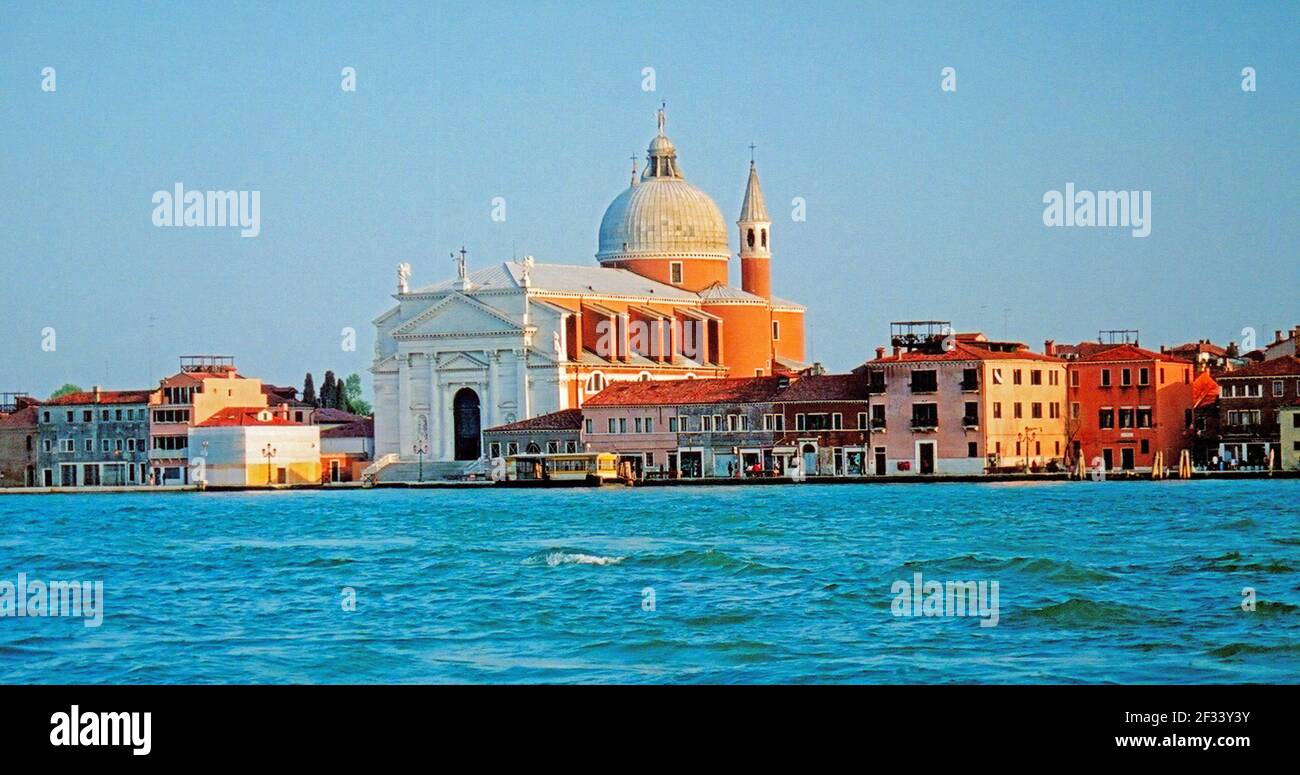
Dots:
(328, 391)
(309, 390)
(352, 390)
(67, 388)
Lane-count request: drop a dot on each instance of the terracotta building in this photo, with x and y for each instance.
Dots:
(1127, 403)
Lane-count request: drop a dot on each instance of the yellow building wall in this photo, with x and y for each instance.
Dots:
(1049, 433)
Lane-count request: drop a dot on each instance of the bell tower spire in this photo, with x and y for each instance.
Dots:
(755, 237)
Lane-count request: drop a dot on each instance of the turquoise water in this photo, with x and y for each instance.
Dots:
(1113, 582)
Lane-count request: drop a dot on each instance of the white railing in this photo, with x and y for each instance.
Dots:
(379, 463)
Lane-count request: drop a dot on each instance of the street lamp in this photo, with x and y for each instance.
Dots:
(421, 449)
(268, 452)
(1026, 436)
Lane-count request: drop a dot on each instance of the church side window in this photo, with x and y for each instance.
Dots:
(675, 270)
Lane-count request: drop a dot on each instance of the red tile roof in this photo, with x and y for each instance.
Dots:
(327, 414)
(1126, 352)
(22, 418)
(677, 392)
(363, 428)
(244, 415)
(965, 351)
(826, 387)
(1196, 348)
(1285, 366)
(103, 397)
(563, 420)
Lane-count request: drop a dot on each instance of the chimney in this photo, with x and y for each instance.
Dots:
(880, 353)
(1162, 348)
(896, 351)
(1049, 347)
(95, 391)
(1277, 335)
(783, 381)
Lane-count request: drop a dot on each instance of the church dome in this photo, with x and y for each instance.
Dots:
(662, 215)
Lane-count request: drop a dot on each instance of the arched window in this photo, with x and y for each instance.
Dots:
(532, 448)
(764, 237)
(749, 238)
(596, 382)
(643, 376)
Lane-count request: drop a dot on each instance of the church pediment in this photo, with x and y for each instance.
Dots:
(462, 361)
(457, 315)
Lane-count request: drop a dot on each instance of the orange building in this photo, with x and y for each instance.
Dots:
(1126, 404)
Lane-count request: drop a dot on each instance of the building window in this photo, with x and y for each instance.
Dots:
(997, 410)
(878, 416)
(1074, 379)
(1144, 376)
(1016, 377)
(89, 445)
(622, 425)
(1054, 410)
(588, 423)
(596, 382)
(47, 445)
(706, 422)
(862, 421)
(672, 424)
(675, 272)
(1146, 446)
(649, 425)
(69, 445)
(1053, 377)
(1074, 410)
(997, 376)
(1036, 411)
(1144, 417)
(570, 446)
(925, 381)
(970, 379)
(1106, 418)
(613, 425)
(1125, 377)
(800, 422)
(1017, 410)
(758, 372)
(636, 423)
(649, 458)
(494, 449)
(776, 330)
(552, 447)
(1105, 377)
(837, 421)
(1279, 388)
(512, 448)
(972, 449)
(1036, 377)
(1126, 417)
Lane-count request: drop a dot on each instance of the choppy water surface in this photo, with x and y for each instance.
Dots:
(1113, 582)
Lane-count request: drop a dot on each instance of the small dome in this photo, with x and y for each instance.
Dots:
(662, 215)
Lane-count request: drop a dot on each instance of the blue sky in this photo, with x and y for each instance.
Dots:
(920, 203)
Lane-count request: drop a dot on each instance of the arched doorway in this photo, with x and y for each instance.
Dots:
(465, 410)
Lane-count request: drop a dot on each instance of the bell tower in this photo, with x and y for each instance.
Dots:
(755, 239)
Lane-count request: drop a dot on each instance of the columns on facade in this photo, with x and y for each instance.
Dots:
(406, 420)
(490, 417)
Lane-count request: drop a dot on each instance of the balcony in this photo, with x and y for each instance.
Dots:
(925, 424)
(970, 387)
(970, 422)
